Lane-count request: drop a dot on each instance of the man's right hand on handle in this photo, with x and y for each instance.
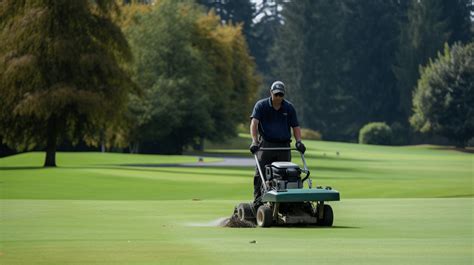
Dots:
(253, 148)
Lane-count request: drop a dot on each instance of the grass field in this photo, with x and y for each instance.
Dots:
(399, 205)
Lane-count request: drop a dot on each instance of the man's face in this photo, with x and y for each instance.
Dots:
(278, 97)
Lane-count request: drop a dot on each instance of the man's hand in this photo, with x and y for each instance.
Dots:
(253, 148)
(300, 146)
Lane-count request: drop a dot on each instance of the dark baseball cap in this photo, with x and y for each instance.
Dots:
(277, 87)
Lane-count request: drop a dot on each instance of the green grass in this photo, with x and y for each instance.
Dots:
(400, 205)
(367, 231)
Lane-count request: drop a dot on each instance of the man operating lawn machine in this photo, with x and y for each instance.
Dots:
(279, 197)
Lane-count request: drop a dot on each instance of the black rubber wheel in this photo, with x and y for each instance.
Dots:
(328, 216)
(245, 212)
(264, 216)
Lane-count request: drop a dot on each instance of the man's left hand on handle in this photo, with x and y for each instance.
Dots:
(300, 147)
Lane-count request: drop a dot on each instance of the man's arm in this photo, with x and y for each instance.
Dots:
(254, 130)
(297, 133)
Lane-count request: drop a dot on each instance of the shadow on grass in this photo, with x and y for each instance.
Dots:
(316, 227)
(458, 196)
(469, 150)
(337, 169)
(331, 156)
(21, 168)
(250, 169)
(175, 169)
(219, 154)
(230, 174)
(190, 165)
(159, 169)
(340, 158)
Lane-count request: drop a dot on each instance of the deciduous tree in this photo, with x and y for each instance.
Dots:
(443, 102)
(197, 76)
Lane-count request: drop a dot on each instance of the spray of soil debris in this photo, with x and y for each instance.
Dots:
(235, 222)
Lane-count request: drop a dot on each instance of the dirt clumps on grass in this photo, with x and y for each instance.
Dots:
(235, 222)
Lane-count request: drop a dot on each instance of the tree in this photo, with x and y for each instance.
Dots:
(443, 102)
(196, 73)
(459, 16)
(232, 12)
(234, 81)
(308, 55)
(260, 21)
(267, 21)
(60, 72)
(430, 23)
(370, 41)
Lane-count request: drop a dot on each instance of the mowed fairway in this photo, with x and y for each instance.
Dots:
(400, 205)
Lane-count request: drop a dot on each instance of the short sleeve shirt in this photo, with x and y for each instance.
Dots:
(274, 125)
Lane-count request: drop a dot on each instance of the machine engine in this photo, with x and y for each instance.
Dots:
(284, 175)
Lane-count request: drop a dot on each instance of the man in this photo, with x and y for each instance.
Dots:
(272, 119)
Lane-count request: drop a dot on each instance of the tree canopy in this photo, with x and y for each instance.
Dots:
(67, 74)
(60, 72)
(351, 62)
(198, 77)
(429, 24)
(443, 102)
(336, 59)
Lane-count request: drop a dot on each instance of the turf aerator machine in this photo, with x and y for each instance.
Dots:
(285, 201)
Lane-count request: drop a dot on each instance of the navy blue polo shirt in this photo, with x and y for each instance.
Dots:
(274, 125)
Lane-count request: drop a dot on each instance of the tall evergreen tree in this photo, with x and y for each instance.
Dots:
(459, 16)
(370, 42)
(268, 20)
(307, 57)
(60, 73)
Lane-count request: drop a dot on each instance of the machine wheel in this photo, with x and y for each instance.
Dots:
(328, 216)
(245, 212)
(264, 216)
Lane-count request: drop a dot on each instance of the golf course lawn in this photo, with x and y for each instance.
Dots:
(399, 205)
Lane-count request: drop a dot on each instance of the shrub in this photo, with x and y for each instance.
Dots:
(375, 133)
(308, 134)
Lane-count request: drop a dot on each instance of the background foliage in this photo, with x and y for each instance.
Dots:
(200, 65)
(198, 78)
(444, 99)
(61, 74)
(375, 133)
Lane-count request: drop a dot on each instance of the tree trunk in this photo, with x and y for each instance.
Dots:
(51, 144)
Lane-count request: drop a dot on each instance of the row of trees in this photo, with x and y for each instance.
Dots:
(358, 61)
(349, 62)
(197, 75)
(67, 75)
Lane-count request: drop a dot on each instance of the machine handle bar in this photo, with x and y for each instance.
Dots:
(277, 149)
